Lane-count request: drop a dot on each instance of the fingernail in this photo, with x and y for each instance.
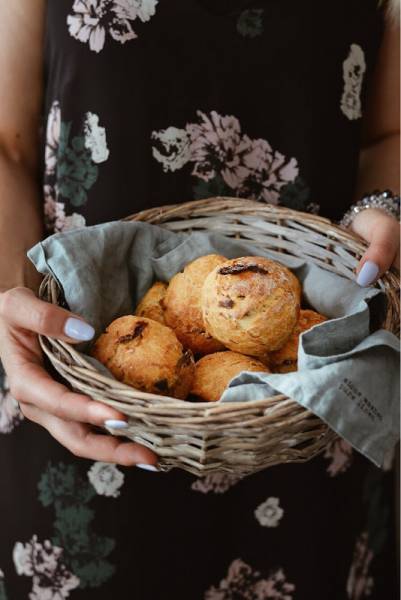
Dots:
(116, 424)
(78, 330)
(368, 273)
(147, 467)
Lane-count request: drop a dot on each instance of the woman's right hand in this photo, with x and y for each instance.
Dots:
(67, 416)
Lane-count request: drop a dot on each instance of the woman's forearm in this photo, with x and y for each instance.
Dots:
(21, 222)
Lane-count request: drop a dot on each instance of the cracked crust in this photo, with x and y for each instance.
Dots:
(183, 311)
(147, 355)
(251, 304)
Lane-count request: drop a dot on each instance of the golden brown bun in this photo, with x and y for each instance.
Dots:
(151, 305)
(146, 355)
(285, 360)
(251, 304)
(214, 372)
(183, 311)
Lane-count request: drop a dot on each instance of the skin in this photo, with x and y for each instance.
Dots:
(67, 416)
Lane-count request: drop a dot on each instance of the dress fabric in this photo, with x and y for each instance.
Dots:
(151, 102)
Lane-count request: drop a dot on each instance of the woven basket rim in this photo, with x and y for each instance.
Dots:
(213, 205)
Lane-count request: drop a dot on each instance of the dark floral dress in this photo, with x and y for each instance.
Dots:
(150, 102)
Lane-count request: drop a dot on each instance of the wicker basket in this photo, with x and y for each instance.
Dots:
(239, 438)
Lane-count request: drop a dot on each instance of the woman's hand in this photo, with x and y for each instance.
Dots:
(382, 232)
(67, 416)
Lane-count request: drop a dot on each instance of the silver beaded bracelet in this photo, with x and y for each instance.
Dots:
(386, 201)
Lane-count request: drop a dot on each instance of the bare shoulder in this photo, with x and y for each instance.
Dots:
(21, 76)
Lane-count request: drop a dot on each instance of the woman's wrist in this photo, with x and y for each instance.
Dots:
(385, 201)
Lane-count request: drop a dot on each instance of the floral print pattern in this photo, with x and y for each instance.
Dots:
(51, 580)
(217, 149)
(93, 19)
(218, 483)
(85, 552)
(244, 583)
(10, 413)
(71, 167)
(269, 513)
(250, 22)
(340, 454)
(360, 583)
(354, 68)
(106, 479)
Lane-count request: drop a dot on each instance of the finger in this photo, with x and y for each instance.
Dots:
(20, 308)
(85, 443)
(382, 252)
(32, 385)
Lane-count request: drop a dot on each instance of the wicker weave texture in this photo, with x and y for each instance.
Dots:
(239, 438)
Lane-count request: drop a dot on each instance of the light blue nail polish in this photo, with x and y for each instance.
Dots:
(147, 467)
(368, 274)
(115, 424)
(78, 330)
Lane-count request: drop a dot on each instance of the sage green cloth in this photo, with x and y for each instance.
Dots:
(348, 373)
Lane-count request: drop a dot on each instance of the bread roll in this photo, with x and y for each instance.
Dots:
(151, 306)
(285, 360)
(183, 311)
(251, 304)
(146, 355)
(214, 372)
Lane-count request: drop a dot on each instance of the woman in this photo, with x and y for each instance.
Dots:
(147, 102)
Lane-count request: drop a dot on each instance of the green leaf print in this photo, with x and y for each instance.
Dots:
(295, 195)
(211, 188)
(250, 23)
(84, 551)
(93, 573)
(63, 483)
(76, 172)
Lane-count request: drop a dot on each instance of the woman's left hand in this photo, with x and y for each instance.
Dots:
(382, 232)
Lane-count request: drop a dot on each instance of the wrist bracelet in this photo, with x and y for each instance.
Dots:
(386, 201)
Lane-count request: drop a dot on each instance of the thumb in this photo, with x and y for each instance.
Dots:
(384, 238)
(20, 308)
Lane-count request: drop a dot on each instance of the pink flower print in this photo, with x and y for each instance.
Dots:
(218, 483)
(340, 453)
(244, 583)
(10, 413)
(55, 218)
(360, 583)
(87, 24)
(215, 146)
(51, 580)
(268, 172)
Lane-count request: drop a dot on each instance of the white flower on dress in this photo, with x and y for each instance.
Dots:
(341, 455)
(354, 67)
(174, 146)
(87, 24)
(10, 413)
(245, 583)
(144, 9)
(360, 583)
(218, 483)
(52, 138)
(95, 138)
(269, 513)
(106, 479)
(92, 19)
(51, 580)
(55, 218)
